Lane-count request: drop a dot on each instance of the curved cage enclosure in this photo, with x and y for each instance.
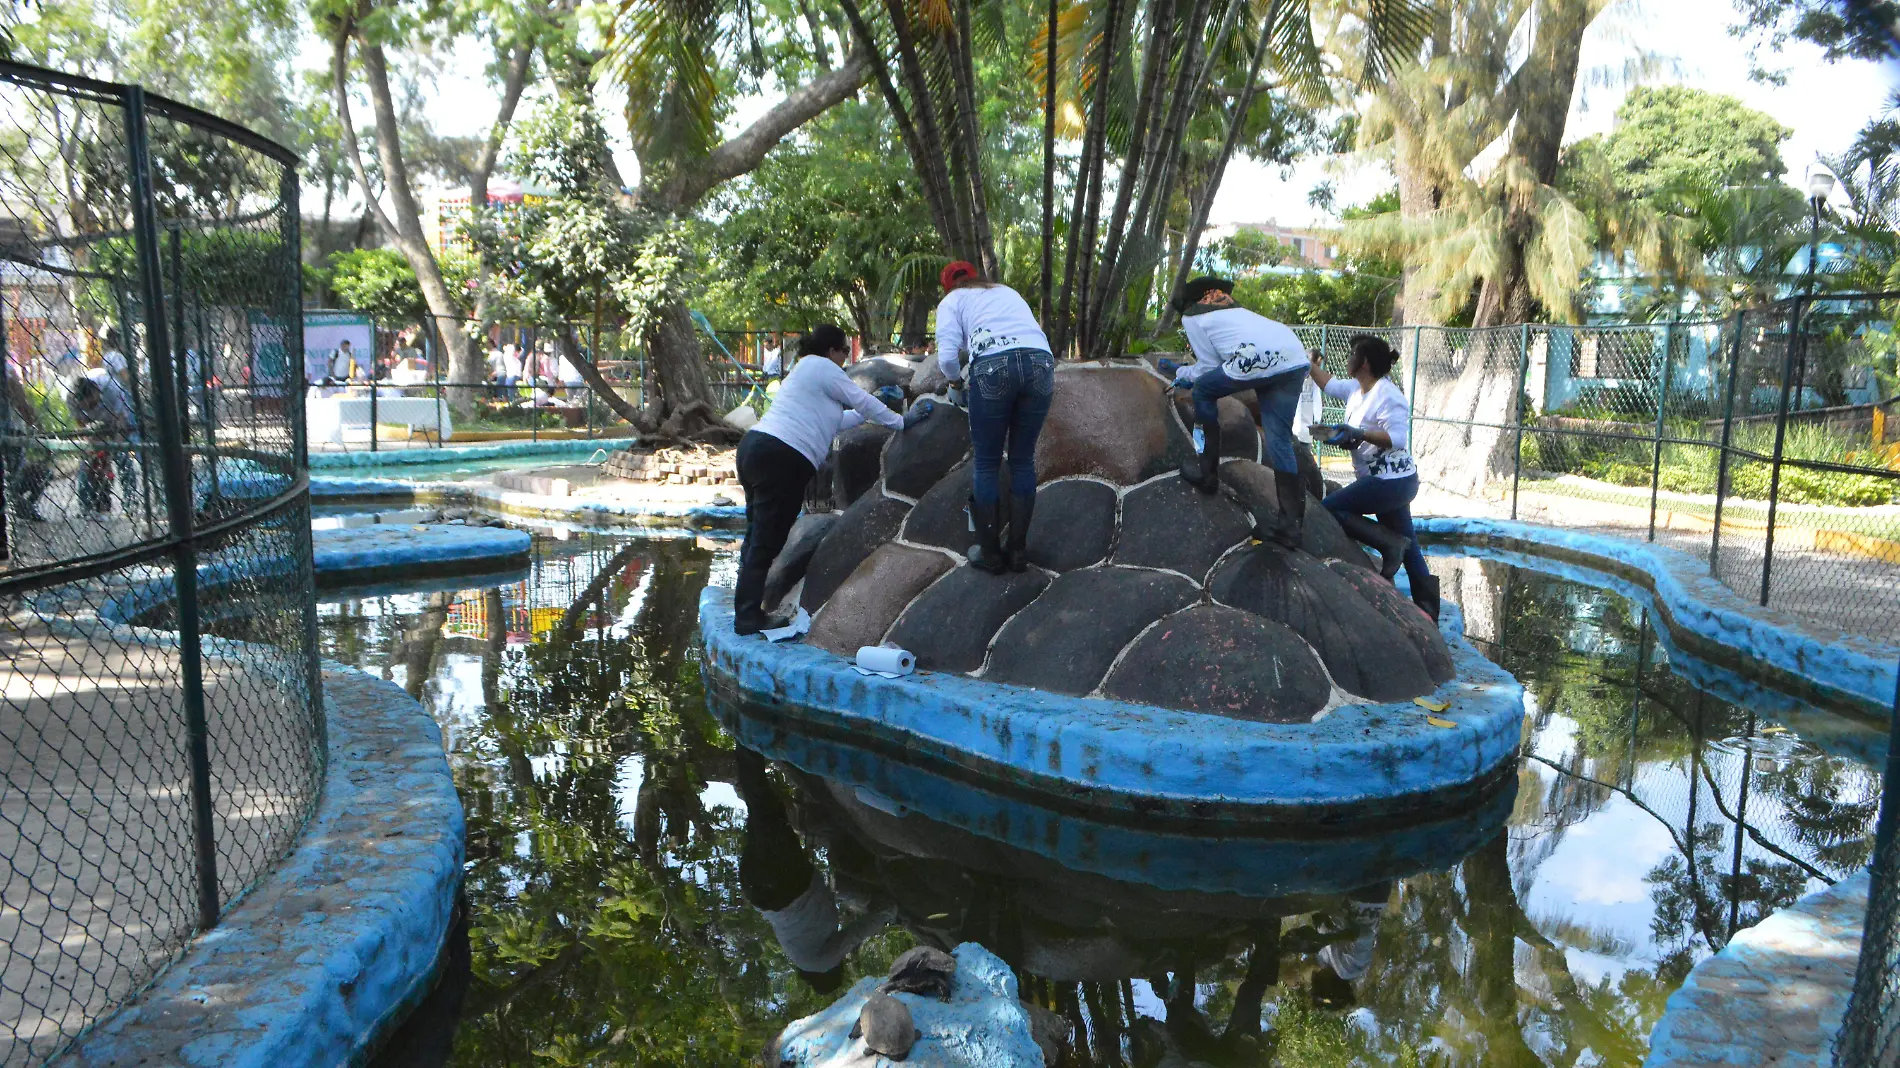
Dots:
(161, 733)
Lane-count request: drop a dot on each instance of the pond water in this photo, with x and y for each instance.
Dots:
(619, 843)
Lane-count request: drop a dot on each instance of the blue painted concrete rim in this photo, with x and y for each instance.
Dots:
(1361, 761)
(529, 505)
(1274, 860)
(448, 454)
(356, 556)
(1704, 616)
(342, 936)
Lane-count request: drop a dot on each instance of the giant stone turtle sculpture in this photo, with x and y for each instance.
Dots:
(1140, 589)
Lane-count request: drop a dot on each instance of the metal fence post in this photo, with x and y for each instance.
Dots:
(1662, 401)
(1411, 391)
(1781, 435)
(178, 499)
(1517, 405)
(373, 414)
(6, 431)
(294, 356)
(1722, 454)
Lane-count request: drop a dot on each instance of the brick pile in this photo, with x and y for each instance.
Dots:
(697, 466)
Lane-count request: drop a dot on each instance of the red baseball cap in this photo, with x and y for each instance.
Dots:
(956, 271)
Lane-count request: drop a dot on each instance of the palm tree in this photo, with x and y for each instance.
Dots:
(1132, 79)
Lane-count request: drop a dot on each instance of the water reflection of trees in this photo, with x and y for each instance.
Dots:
(608, 923)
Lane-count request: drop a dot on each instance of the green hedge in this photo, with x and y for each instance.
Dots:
(1694, 468)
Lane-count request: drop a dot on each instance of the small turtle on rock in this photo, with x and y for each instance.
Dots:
(885, 1025)
(923, 970)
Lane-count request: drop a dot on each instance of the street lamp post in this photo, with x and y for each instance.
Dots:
(1820, 187)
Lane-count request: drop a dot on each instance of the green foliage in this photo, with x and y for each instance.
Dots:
(1673, 138)
(824, 229)
(1694, 469)
(1349, 299)
(582, 249)
(376, 281)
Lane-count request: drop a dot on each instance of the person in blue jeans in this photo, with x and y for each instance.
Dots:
(1010, 380)
(1377, 431)
(1236, 350)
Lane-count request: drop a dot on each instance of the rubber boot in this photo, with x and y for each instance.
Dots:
(1425, 595)
(1288, 530)
(1021, 507)
(1388, 543)
(748, 616)
(1203, 472)
(987, 553)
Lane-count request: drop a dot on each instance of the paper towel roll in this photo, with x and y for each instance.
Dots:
(886, 661)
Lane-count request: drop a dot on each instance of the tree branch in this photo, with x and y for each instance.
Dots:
(747, 149)
(339, 76)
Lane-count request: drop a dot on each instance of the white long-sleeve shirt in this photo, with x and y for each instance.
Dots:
(1382, 407)
(815, 402)
(1247, 345)
(808, 928)
(979, 320)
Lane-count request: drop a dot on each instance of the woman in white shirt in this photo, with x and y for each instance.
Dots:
(778, 457)
(1377, 430)
(1012, 378)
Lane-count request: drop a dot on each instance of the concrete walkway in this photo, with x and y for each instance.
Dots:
(98, 885)
(1775, 996)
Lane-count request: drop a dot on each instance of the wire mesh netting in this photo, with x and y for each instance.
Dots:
(160, 722)
(1764, 443)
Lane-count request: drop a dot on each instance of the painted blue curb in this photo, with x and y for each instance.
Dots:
(1776, 994)
(455, 454)
(1705, 616)
(357, 555)
(341, 938)
(1275, 861)
(1357, 758)
(1858, 737)
(334, 490)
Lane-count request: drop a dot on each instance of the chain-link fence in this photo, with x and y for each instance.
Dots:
(1765, 443)
(160, 726)
(397, 387)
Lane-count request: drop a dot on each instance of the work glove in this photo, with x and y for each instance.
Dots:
(919, 412)
(1182, 384)
(958, 396)
(892, 397)
(1345, 437)
(1167, 366)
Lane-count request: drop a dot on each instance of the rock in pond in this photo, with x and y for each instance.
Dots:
(856, 460)
(867, 524)
(1066, 639)
(1104, 422)
(1367, 654)
(983, 1025)
(861, 611)
(918, 458)
(1224, 662)
(1170, 524)
(950, 626)
(1074, 524)
(789, 566)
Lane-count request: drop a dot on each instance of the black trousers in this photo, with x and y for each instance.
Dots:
(774, 476)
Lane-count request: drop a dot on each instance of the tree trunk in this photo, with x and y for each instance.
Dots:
(1191, 241)
(1418, 198)
(405, 230)
(673, 351)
